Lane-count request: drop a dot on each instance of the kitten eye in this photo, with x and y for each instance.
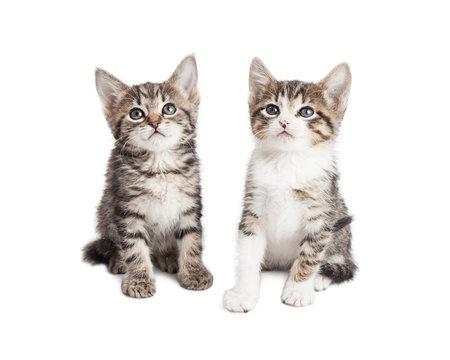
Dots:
(136, 114)
(272, 109)
(169, 109)
(306, 112)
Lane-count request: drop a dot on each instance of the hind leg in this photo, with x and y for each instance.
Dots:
(321, 282)
(116, 265)
(336, 269)
(338, 264)
(166, 260)
(324, 278)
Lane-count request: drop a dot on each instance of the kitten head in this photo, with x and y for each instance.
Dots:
(296, 114)
(152, 116)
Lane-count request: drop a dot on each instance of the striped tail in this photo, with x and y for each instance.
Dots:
(339, 272)
(98, 251)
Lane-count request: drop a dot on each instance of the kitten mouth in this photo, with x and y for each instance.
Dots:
(284, 133)
(156, 132)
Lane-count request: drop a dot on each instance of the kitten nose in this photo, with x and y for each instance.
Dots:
(284, 124)
(153, 120)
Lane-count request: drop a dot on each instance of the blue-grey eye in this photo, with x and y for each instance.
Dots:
(306, 112)
(136, 114)
(169, 109)
(272, 109)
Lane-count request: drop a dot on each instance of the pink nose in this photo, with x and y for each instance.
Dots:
(283, 124)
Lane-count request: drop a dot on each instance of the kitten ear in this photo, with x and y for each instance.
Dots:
(336, 86)
(109, 88)
(185, 78)
(260, 77)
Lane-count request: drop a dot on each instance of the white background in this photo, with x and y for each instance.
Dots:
(394, 150)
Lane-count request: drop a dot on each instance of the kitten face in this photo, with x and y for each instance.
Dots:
(296, 114)
(152, 117)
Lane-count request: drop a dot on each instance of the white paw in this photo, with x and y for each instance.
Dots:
(298, 293)
(238, 301)
(321, 282)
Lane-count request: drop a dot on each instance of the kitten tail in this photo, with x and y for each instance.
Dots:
(339, 273)
(98, 251)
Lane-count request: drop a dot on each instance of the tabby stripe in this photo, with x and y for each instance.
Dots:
(129, 235)
(342, 223)
(150, 174)
(129, 153)
(163, 95)
(249, 213)
(246, 232)
(125, 245)
(142, 274)
(243, 228)
(181, 233)
(131, 259)
(123, 212)
(119, 128)
(316, 247)
(195, 250)
(322, 135)
(317, 237)
(137, 91)
(298, 92)
(327, 120)
(257, 111)
(188, 115)
(136, 188)
(309, 262)
(129, 197)
(194, 210)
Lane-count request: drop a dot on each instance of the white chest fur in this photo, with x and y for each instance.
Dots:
(166, 201)
(166, 197)
(275, 175)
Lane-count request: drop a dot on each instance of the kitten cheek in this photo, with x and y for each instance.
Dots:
(275, 129)
(145, 134)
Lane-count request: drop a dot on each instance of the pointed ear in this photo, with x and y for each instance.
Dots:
(109, 89)
(336, 87)
(185, 78)
(260, 77)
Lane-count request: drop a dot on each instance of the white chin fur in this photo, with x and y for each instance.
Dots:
(157, 142)
(285, 143)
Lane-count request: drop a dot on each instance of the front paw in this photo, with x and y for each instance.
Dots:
(138, 288)
(298, 293)
(239, 301)
(198, 279)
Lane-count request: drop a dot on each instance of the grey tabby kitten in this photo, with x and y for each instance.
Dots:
(151, 207)
(294, 216)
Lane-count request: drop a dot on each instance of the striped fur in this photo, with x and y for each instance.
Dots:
(151, 207)
(294, 217)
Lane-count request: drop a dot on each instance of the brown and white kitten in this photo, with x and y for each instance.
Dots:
(151, 207)
(294, 216)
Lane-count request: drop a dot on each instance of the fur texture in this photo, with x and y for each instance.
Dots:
(294, 217)
(151, 207)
